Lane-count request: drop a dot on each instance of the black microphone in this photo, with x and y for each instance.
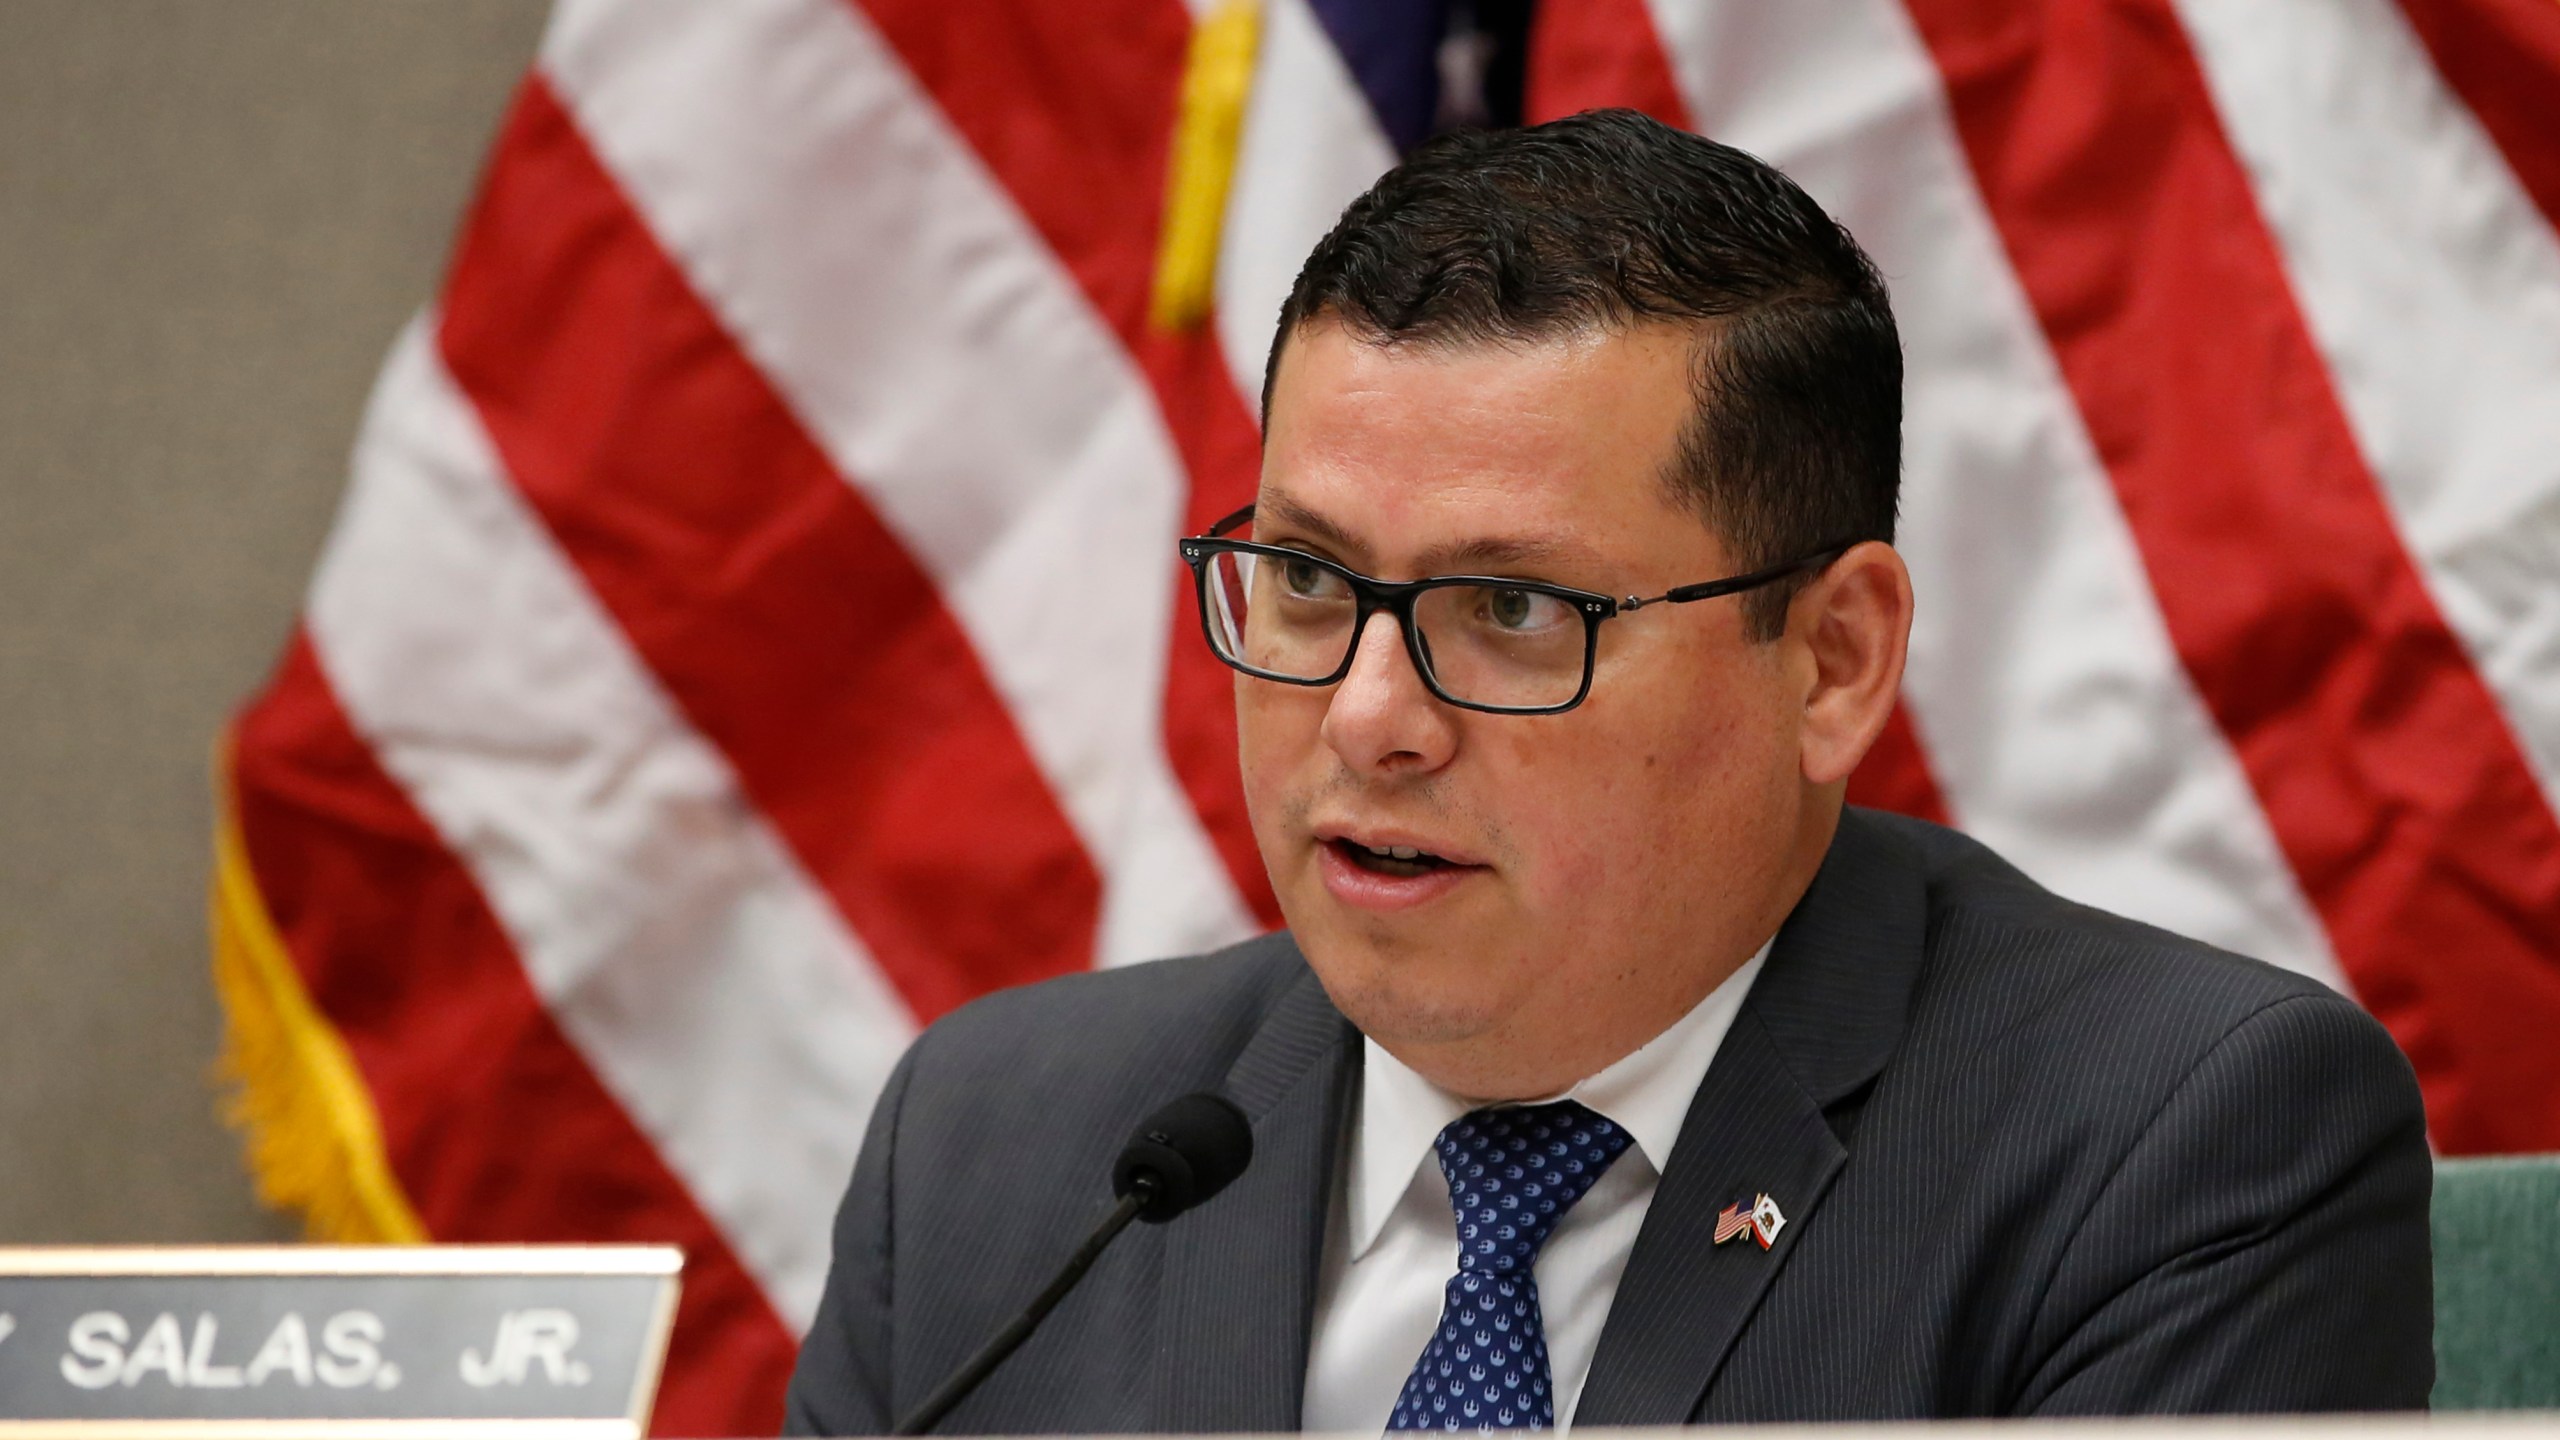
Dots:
(1181, 1155)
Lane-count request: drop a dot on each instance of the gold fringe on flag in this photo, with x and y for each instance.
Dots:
(1217, 79)
(313, 1137)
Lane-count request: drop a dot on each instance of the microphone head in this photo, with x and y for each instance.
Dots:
(1184, 1153)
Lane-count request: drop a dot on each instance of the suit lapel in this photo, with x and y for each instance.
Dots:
(1819, 1024)
(1240, 1272)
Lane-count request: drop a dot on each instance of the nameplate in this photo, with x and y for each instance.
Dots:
(315, 1341)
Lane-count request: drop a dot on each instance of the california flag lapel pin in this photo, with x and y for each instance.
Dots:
(1766, 1222)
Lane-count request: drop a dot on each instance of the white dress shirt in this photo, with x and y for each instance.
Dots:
(1391, 1243)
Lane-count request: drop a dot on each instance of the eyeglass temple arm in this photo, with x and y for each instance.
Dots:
(1229, 523)
(1710, 589)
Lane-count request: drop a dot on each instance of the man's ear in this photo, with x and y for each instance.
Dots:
(1854, 623)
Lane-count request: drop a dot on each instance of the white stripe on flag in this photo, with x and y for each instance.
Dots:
(884, 283)
(2060, 723)
(1310, 146)
(712, 987)
(2432, 287)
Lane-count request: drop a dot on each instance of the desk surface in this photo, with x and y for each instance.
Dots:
(2511, 1425)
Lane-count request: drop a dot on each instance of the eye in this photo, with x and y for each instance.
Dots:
(1308, 580)
(1523, 610)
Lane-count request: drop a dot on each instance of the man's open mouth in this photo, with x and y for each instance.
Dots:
(1402, 860)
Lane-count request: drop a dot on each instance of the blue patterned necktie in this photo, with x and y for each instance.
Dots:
(1512, 1175)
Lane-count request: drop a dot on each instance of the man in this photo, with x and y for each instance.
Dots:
(1610, 1071)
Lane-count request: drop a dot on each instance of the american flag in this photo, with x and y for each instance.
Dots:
(1733, 1220)
(753, 627)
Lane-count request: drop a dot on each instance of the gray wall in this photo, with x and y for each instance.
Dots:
(213, 219)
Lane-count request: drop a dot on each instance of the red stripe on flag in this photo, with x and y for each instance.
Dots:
(1895, 773)
(2390, 778)
(2503, 58)
(397, 947)
(1072, 108)
(1594, 54)
(1597, 53)
(784, 619)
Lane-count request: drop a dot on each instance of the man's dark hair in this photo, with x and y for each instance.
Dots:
(1609, 219)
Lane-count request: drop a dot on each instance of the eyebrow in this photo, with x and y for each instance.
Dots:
(1480, 553)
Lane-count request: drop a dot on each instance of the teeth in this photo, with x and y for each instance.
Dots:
(1393, 852)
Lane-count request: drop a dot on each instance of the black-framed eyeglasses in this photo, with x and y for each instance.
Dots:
(1480, 642)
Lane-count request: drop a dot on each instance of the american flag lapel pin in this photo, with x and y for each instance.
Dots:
(1734, 1220)
(1765, 1221)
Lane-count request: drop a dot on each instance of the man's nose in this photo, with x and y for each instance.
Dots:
(1382, 717)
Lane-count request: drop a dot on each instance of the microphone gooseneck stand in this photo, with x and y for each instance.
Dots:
(1182, 1154)
(990, 1355)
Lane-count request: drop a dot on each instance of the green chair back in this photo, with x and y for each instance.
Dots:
(2497, 1239)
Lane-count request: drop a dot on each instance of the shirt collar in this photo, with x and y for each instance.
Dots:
(1647, 1093)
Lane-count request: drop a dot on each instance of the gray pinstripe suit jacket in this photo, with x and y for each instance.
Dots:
(2036, 1159)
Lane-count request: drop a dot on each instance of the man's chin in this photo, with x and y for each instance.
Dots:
(1405, 999)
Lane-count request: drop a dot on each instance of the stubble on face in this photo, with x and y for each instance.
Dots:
(1378, 962)
(1625, 844)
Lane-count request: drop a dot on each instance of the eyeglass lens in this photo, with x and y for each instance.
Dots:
(1485, 644)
